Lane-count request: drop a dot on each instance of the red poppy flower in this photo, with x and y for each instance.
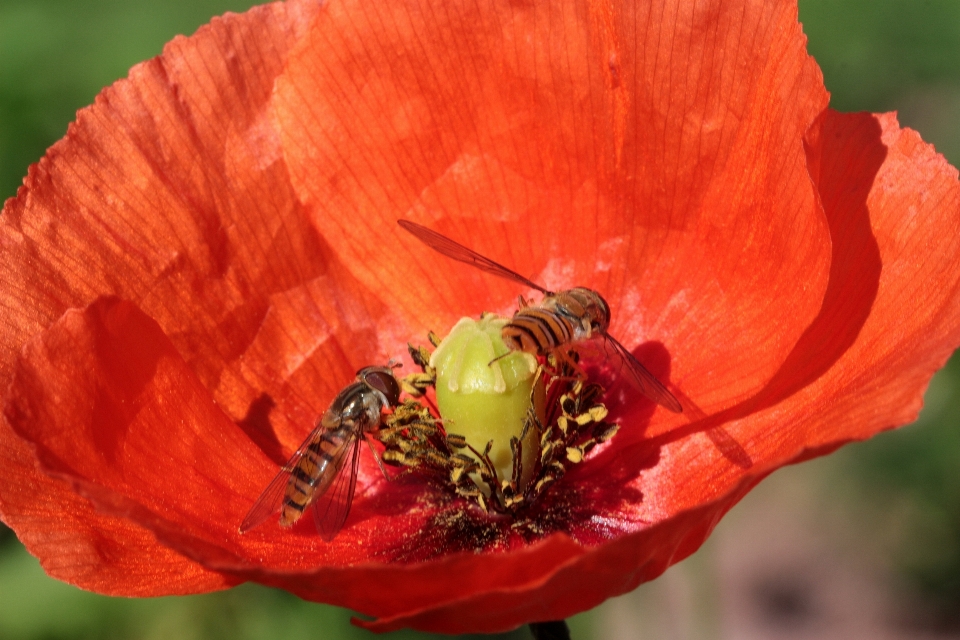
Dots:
(211, 253)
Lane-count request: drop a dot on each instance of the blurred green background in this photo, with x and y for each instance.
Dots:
(865, 543)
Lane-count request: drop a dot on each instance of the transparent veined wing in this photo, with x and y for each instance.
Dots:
(271, 499)
(331, 504)
(644, 380)
(442, 244)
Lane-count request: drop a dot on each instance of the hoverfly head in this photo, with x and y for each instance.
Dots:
(381, 379)
(595, 309)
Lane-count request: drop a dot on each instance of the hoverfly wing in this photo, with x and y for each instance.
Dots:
(330, 509)
(457, 251)
(271, 499)
(268, 503)
(646, 381)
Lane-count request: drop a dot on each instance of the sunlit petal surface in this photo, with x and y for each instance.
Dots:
(190, 276)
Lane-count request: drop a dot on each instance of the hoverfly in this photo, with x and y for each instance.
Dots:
(560, 319)
(321, 476)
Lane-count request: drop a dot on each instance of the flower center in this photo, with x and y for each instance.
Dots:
(485, 393)
(510, 423)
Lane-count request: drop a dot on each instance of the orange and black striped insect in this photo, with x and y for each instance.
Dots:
(559, 320)
(322, 475)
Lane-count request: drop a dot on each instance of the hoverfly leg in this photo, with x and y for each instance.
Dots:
(376, 456)
(565, 361)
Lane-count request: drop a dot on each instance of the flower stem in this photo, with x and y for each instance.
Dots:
(555, 630)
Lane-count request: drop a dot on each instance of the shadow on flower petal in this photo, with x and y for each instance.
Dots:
(656, 354)
(729, 447)
(725, 443)
(111, 407)
(258, 427)
(632, 451)
(844, 154)
(844, 170)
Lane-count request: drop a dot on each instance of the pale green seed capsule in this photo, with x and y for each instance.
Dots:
(484, 391)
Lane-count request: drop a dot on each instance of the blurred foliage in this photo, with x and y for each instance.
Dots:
(873, 52)
(904, 55)
(248, 612)
(886, 55)
(908, 485)
(56, 55)
(876, 55)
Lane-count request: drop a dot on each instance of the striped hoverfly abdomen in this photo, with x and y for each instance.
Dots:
(322, 475)
(560, 318)
(558, 321)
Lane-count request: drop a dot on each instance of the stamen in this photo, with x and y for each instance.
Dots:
(573, 423)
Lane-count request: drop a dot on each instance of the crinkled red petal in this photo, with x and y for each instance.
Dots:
(789, 270)
(109, 554)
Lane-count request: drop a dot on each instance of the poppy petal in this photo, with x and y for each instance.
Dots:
(170, 191)
(788, 269)
(636, 188)
(103, 553)
(79, 421)
(122, 205)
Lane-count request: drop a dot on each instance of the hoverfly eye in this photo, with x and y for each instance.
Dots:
(384, 382)
(602, 313)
